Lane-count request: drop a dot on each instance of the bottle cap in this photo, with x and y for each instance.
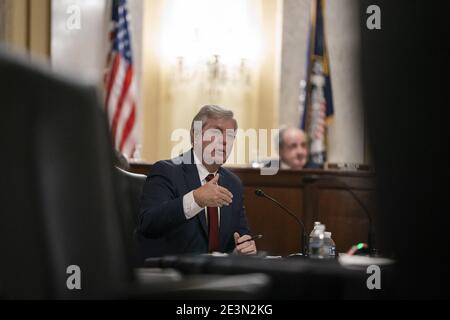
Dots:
(320, 227)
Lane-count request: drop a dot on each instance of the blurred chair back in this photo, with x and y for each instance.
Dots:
(135, 183)
(132, 186)
(58, 196)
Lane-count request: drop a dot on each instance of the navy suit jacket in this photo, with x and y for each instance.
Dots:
(162, 214)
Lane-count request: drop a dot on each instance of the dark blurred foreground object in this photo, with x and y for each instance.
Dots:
(291, 278)
(57, 206)
(404, 71)
(62, 205)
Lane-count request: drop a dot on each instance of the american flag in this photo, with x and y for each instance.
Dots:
(120, 83)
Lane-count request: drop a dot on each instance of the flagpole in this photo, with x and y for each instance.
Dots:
(312, 43)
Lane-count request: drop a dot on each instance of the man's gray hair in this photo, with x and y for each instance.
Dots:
(212, 112)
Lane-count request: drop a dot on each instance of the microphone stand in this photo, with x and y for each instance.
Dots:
(262, 194)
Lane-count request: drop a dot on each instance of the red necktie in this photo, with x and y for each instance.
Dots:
(213, 224)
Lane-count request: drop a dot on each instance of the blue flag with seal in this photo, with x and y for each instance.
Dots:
(318, 97)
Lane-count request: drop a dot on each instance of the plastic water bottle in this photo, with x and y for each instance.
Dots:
(316, 243)
(312, 232)
(330, 246)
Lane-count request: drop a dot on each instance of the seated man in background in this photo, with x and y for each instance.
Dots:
(191, 201)
(293, 149)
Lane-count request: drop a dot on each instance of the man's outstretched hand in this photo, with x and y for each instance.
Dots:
(213, 195)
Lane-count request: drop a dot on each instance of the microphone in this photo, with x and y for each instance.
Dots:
(371, 234)
(262, 194)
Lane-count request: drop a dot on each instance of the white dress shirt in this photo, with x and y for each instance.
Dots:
(191, 208)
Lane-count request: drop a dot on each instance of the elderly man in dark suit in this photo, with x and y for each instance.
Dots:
(194, 203)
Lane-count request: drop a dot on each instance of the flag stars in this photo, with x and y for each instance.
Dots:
(121, 40)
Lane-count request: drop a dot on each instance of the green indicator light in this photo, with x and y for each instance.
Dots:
(360, 246)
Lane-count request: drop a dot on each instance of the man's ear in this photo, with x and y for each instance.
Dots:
(196, 133)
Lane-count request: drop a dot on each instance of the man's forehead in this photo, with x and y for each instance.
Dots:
(294, 135)
(220, 123)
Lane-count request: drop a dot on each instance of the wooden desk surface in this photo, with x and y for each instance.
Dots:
(314, 195)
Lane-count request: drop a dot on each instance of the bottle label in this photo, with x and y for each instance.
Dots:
(332, 251)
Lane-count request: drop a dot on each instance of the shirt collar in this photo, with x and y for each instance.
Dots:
(202, 171)
(284, 166)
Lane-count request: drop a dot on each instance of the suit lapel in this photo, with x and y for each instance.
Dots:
(193, 182)
(225, 214)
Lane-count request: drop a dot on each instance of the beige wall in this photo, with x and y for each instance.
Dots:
(151, 140)
(270, 70)
(162, 112)
(39, 27)
(293, 62)
(346, 136)
(25, 26)
(82, 52)
(2, 20)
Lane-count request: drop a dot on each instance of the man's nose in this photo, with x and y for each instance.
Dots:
(301, 151)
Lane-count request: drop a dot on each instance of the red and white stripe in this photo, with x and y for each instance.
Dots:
(120, 104)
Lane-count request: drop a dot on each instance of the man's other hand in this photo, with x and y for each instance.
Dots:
(213, 195)
(247, 247)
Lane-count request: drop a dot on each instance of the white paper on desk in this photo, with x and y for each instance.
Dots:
(216, 254)
(362, 261)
